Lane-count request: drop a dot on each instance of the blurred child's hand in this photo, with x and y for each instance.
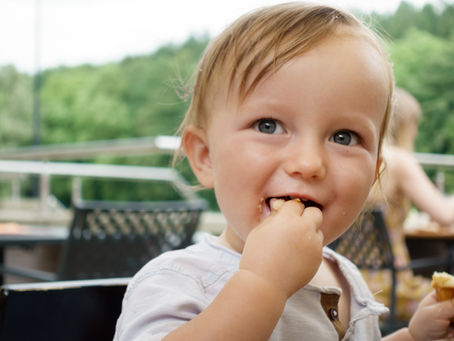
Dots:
(286, 248)
(432, 319)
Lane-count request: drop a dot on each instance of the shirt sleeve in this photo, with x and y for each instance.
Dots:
(158, 304)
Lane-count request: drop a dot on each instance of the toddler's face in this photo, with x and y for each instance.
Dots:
(309, 131)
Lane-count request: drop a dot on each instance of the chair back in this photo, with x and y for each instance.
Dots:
(111, 239)
(367, 245)
(70, 310)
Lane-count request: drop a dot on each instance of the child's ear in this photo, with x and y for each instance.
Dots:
(197, 151)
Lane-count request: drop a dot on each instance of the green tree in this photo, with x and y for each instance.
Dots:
(437, 21)
(445, 22)
(16, 104)
(424, 64)
(83, 104)
(154, 83)
(397, 24)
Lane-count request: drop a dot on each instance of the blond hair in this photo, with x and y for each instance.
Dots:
(406, 112)
(259, 43)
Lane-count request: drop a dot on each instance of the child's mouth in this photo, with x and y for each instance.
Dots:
(274, 203)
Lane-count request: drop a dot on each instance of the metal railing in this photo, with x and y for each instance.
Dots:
(89, 150)
(19, 163)
(14, 170)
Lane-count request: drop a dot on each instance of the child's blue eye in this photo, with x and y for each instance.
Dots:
(268, 126)
(345, 137)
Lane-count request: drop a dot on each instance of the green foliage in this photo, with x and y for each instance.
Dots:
(134, 98)
(429, 19)
(424, 65)
(16, 99)
(83, 104)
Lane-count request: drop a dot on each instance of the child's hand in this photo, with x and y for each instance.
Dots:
(432, 319)
(286, 248)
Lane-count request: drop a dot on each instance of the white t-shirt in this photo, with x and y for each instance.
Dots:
(176, 286)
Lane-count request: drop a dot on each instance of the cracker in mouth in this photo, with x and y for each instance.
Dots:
(276, 203)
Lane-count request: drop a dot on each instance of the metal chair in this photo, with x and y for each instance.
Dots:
(115, 239)
(368, 246)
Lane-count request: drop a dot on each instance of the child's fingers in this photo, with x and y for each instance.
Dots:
(442, 309)
(445, 309)
(430, 298)
(297, 207)
(315, 214)
(289, 207)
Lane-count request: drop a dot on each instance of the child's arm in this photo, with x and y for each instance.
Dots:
(280, 256)
(412, 180)
(431, 321)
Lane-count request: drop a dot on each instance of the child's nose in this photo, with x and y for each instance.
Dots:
(306, 161)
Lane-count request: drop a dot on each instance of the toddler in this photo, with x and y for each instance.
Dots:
(286, 122)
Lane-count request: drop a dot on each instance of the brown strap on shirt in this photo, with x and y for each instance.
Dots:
(329, 304)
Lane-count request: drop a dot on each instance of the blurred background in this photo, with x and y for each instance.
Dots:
(82, 74)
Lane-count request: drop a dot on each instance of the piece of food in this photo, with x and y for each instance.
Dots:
(443, 283)
(276, 204)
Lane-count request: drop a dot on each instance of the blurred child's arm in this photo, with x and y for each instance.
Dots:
(414, 182)
(431, 321)
(280, 256)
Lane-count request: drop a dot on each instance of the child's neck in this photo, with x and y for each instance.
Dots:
(325, 276)
(228, 239)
